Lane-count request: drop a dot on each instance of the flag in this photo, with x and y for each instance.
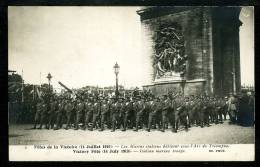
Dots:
(32, 91)
(39, 93)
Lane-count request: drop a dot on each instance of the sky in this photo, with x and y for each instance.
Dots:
(80, 45)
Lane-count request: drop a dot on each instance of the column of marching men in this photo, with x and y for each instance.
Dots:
(132, 112)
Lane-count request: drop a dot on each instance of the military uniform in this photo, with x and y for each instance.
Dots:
(190, 107)
(79, 113)
(104, 110)
(165, 110)
(206, 111)
(139, 109)
(52, 114)
(115, 109)
(154, 106)
(88, 114)
(59, 114)
(44, 112)
(222, 110)
(69, 106)
(96, 113)
(232, 109)
(37, 116)
(121, 115)
(128, 108)
(179, 110)
(200, 110)
(215, 109)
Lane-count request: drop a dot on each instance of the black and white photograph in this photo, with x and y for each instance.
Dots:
(131, 83)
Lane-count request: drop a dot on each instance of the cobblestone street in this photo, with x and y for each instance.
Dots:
(220, 133)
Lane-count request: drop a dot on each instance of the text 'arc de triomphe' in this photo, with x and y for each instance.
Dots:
(192, 49)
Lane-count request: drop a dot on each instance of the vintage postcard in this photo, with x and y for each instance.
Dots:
(154, 83)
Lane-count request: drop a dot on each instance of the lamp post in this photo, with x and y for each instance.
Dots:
(49, 77)
(116, 70)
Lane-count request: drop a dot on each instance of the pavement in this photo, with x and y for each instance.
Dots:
(215, 134)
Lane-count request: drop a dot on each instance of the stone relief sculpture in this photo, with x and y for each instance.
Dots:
(169, 58)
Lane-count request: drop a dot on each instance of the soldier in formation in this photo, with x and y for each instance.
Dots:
(92, 112)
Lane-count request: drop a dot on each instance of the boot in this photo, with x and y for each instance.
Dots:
(102, 127)
(136, 127)
(56, 128)
(174, 130)
(163, 128)
(113, 127)
(76, 127)
(40, 127)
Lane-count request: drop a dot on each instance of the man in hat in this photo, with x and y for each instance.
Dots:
(89, 107)
(139, 108)
(232, 108)
(128, 111)
(121, 113)
(166, 107)
(225, 110)
(52, 114)
(178, 104)
(154, 107)
(44, 112)
(115, 109)
(206, 110)
(104, 110)
(37, 116)
(59, 113)
(109, 114)
(221, 107)
(96, 112)
(79, 112)
(189, 107)
(69, 107)
(147, 110)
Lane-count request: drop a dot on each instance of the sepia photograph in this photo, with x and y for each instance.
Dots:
(153, 83)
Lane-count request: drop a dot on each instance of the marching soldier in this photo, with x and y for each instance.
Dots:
(166, 107)
(88, 112)
(225, 101)
(154, 106)
(37, 116)
(232, 108)
(121, 113)
(128, 108)
(215, 110)
(200, 110)
(139, 108)
(104, 110)
(179, 114)
(69, 107)
(115, 109)
(79, 113)
(189, 107)
(59, 113)
(206, 110)
(96, 113)
(222, 111)
(51, 112)
(196, 111)
(44, 112)
(146, 111)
